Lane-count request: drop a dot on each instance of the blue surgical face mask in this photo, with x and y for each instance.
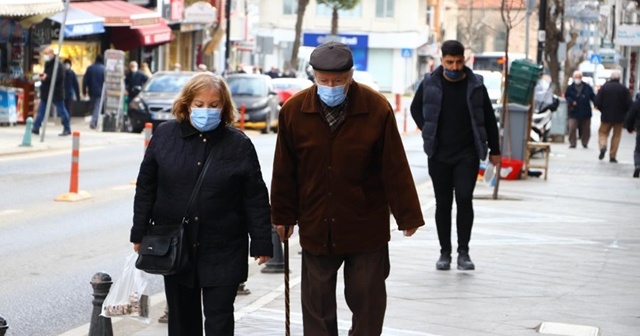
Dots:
(453, 74)
(205, 119)
(332, 95)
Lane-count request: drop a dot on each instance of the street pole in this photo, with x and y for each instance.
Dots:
(542, 23)
(227, 47)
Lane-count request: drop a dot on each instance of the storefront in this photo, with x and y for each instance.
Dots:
(16, 18)
(191, 31)
(130, 28)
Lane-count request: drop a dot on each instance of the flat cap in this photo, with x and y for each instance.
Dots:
(332, 57)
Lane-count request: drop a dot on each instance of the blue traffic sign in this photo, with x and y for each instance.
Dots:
(406, 52)
(596, 59)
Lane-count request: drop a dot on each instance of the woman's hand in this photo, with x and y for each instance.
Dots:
(136, 247)
(261, 259)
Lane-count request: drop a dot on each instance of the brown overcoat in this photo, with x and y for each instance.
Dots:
(340, 187)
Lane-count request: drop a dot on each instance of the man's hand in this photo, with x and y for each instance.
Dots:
(494, 159)
(410, 232)
(280, 230)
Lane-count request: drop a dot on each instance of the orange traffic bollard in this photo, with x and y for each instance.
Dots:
(243, 110)
(148, 130)
(398, 102)
(74, 194)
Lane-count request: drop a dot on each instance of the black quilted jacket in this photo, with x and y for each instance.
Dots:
(233, 202)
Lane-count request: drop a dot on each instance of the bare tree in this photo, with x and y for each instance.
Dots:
(471, 26)
(302, 6)
(337, 5)
(512, 15)
(571, 62)
(554, 32)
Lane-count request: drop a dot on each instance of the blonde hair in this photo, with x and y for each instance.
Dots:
(195, 85)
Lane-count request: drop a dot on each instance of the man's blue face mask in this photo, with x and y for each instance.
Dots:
(453, 74)
(332, 95)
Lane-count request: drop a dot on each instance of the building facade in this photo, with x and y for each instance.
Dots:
(387, 37)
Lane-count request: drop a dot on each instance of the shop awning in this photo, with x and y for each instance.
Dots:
(80, 22)
(124, 38)
(120, 13)
(29, 7)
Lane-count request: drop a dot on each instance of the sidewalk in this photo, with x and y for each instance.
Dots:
(565, 250)
(11, 137)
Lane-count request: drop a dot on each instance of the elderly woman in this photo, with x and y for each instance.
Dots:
(232, 205)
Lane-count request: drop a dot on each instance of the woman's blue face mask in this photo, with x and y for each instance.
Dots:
(205, 119)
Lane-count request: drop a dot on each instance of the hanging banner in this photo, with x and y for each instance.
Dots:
(113, 91)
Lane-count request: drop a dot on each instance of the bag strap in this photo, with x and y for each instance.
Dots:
(196, 189)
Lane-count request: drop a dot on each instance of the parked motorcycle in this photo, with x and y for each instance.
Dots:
(545, 103)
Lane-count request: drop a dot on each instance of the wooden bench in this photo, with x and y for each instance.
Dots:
(546, 148)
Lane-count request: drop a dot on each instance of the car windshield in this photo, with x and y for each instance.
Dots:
(247, 86)
(166, 83)
(284, 85)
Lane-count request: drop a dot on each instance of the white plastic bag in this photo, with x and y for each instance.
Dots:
(129, 295)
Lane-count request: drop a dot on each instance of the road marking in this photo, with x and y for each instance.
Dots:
(10, 212)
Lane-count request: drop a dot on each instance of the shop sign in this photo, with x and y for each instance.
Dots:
(157, 38)
(114, 84)
(627, 35)
(177, 7)
(130, 21)
(358, 44)
(201, 12)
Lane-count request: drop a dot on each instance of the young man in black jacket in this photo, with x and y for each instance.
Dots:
(613, 100)
(454, 112)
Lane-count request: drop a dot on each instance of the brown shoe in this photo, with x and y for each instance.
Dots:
(164, 318)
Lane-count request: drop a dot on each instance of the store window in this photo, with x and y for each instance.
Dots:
(324, 10)
(500, 43)
(81, 54)
(384, 8)
(290, 7)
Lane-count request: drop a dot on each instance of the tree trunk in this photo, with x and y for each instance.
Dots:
(302, 6)
(334, 21)
(554, 31)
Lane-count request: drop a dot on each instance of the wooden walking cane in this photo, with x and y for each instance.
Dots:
(287, 303)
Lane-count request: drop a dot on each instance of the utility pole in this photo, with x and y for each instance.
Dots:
(227, 47)
(542, 25)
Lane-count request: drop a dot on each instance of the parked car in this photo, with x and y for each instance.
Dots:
(494, 83)
(155, 101)
(257, 94)
(365, 78)
(287, 87)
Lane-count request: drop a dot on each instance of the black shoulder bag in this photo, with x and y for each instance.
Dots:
(164, 250)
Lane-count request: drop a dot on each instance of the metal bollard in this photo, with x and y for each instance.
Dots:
(275, 264)
(3, 326)
(100, 325)
(26, 139)
(242, 290)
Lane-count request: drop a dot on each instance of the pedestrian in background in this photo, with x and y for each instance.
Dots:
(453, 110)
(579, 96)
(134, 80)
(71, 86)
(233, 205)
(632, 123)
(339, 170)
(92, 83)
(144, 68)
(177, 67)
(57, 100)
(613, 100)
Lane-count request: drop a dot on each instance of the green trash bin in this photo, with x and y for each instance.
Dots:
(523, 76)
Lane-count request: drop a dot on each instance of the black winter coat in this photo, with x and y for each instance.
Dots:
(632, 120)
(613, 101)
(232, 205)
(58, 90)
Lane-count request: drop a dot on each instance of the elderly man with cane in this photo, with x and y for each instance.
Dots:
(339, 170)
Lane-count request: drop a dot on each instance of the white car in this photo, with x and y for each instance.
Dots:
(363, 77)
(493, 81)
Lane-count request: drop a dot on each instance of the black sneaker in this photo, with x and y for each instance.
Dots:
(613, 160)
(65, 133)
(602, 151)
(444, 263)
(35, 131)
(464, 262)
(636, 173)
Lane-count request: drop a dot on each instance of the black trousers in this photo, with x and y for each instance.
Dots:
(364, 290)
(186, 307)
(454, 177)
